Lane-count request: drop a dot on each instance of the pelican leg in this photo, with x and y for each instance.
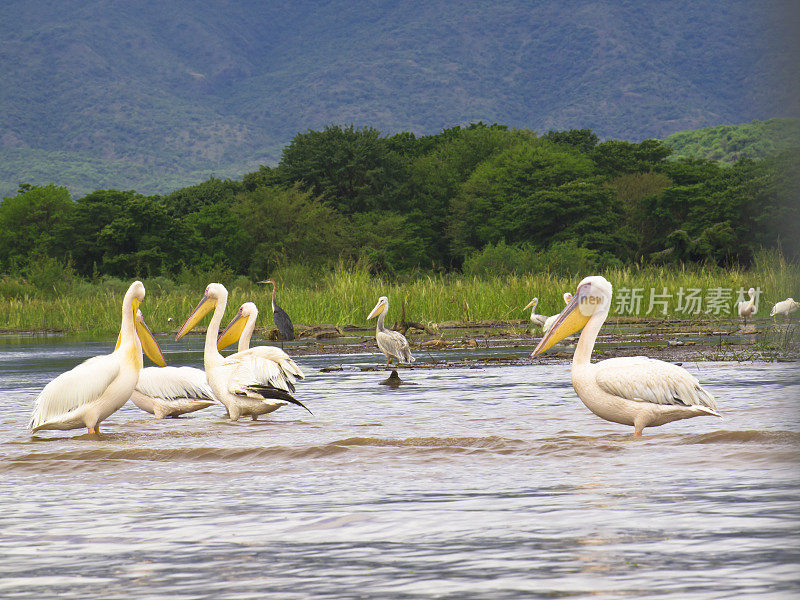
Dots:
(94, 430)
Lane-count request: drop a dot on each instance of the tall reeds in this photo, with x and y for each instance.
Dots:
(345, 295)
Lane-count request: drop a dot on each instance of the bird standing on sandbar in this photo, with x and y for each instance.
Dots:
(392, 343)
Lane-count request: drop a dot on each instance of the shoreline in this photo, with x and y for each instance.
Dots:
(484, 341)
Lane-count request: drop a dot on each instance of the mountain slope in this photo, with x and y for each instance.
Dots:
(182, 88)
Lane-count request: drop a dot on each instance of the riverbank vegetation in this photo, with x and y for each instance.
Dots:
(60, 300)
(483, 215)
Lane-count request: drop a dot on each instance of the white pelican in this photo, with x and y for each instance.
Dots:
(636, 391)
(96, 388)
(747, 309)
(535, 319)
(392, 343)
(550, 320)
(241, 328)
(252, 382)
(784, 307)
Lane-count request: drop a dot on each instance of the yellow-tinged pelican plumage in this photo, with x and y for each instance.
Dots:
(99, 386)
(748, 309)
(637, 391)
(548, 323)
(537, 320)
(249, 383)
(392, 343)
(784, 307)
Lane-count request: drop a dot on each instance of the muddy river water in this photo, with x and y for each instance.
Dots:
(481, 481)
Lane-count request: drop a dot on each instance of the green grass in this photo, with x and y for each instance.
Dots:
(345, 296)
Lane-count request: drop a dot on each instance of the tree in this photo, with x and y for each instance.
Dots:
(582, 139)
(288, 225)
(352, 169)
(534, 192)
(615, 157)
(29, 223)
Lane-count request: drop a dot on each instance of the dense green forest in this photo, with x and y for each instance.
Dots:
(729, 143)
(482, 198)
(157, 95)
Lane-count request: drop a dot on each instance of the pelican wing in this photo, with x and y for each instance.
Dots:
(77, 387)
(174, 382)
(648, 380)
(262, 366)
(538, 320)
(395, 344)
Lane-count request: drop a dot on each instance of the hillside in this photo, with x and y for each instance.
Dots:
(729, 143)
(153, 94)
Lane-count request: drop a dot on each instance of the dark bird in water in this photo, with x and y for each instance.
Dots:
(279, 316)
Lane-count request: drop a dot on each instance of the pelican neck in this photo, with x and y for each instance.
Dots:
(381, 318)
(210, 353)
(583, 351)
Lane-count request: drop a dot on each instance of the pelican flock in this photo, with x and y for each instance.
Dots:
(392, 343)
(250, 383)
(89, 393)
(636, 391)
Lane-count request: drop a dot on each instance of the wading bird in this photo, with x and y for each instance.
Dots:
(392, 343)
(537, 320)
(249, 383)
(747, 309)
(96, 388)
(784, 307)
(637, 391)
(279, 316)
(171, 391)
(550, 320)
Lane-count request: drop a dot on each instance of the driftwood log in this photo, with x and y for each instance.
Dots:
(405, 325)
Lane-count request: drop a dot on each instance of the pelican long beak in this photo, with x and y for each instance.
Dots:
(149, 344)
(232, 332)
(206, 306)
(571, 319)
(375, 311)
(531, 303)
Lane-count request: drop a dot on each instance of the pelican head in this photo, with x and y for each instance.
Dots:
(383, 304)
(134, 295)
(752, 293)
(593, 296)
(234, 329)
(215, 293)
(532, 303)
(269, 280)
(147, 339)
